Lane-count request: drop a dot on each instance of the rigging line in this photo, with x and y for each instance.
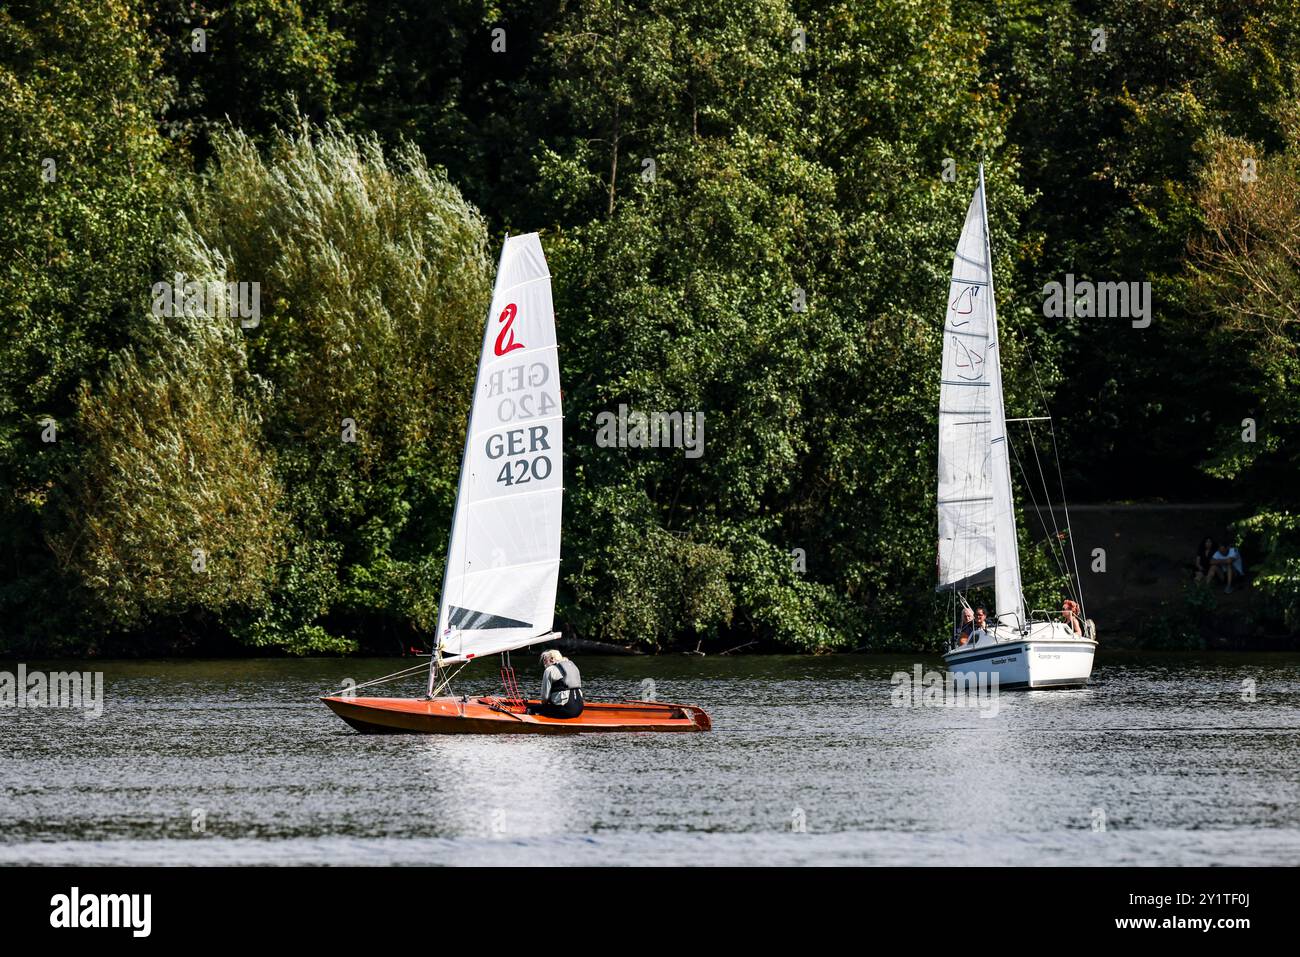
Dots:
(1055, 546)
(1062, 561)
(1060, 565)
(1069, 532)
(1047, 496)
(1047, 499)
(1078, 575)
(375, 681)
(446, 682)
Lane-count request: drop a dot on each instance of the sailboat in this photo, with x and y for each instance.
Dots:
(503, 557)
(977, 521)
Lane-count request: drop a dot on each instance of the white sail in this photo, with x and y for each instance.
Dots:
(977, 526)
(503, 560)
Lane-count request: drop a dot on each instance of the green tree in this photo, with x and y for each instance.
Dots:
(797, 161)
(83, 193)
(1246, 272)
(175, 512)
(374, 278)
(257, 64)
(1114, 103)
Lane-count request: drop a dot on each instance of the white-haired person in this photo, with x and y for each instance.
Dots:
(561, 687)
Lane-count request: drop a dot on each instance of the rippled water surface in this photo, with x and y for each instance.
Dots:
(202, 762)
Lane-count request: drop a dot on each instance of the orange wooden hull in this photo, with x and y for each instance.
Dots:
(485, 716)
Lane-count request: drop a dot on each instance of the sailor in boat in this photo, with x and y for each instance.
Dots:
(561, 687)
(967, 626)
(981, 625)
(1070, 615)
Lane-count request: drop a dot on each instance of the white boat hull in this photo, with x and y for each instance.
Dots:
(1049, 656)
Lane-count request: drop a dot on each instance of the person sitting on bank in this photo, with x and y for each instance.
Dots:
(963, 633)
(1204, 555)
(1226, 563)
(1070, 615)
(561, 687)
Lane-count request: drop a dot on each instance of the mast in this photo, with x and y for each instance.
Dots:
(1007, 576)
(435, 663)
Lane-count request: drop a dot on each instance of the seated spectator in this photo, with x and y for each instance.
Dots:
(1226, 563)
(1201, 568)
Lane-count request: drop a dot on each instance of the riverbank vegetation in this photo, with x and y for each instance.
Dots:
(749, 211)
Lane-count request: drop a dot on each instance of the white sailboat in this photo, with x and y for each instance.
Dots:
(503, 557)
(977, 522)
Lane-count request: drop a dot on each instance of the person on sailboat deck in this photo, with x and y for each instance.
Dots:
(561, 687)
(967, 626)
(1070, 615)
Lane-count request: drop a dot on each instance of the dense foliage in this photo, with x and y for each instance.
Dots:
(1246, 271)
(749, 210)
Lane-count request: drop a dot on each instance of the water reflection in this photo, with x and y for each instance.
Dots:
(506, 786)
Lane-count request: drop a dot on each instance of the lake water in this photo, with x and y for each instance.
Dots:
(1161, 760)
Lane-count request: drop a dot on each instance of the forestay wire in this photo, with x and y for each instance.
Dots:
(396, 676)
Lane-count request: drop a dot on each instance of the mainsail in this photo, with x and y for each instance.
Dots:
(503, 560)
(977, 524)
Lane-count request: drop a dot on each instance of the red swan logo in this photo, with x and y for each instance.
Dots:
(506, 337)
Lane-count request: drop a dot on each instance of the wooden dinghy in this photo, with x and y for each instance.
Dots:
(453, 715)
(503, 554)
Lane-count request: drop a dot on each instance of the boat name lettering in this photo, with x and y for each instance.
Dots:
(512, 442)
(529, 375)
(537, 404)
